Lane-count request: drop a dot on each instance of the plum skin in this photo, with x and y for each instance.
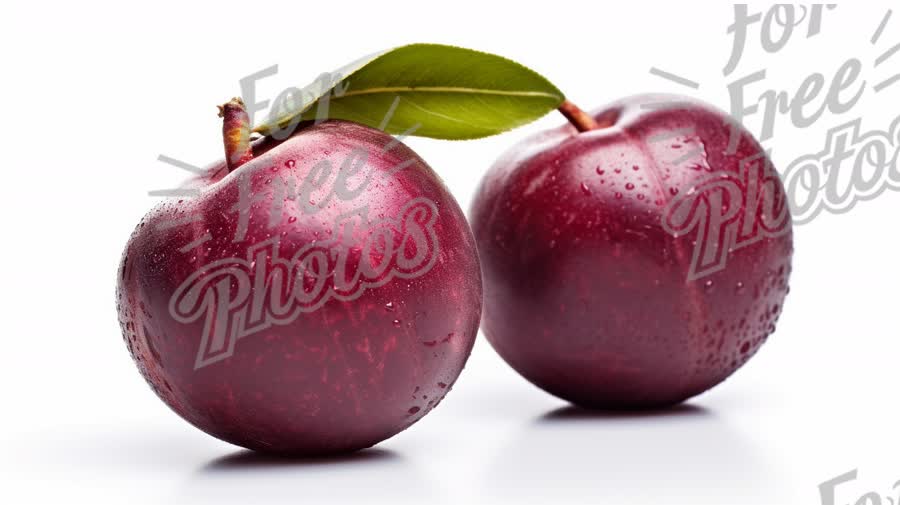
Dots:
(340, 378)
(586, 295)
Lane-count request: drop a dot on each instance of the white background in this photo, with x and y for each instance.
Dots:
(93, 92)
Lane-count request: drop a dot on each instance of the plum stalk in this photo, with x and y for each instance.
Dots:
(579, 118)
(236, 133)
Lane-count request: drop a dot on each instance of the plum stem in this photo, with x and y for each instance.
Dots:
(236, 133)
(580, 119)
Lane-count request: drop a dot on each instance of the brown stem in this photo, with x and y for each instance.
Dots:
(235, 133)
(579, 118)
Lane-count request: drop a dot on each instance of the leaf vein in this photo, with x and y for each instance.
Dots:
(447, 89)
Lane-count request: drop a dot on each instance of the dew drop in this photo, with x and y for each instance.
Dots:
(390, 306)
(618, 196)
(673, 191)
(600, 171)
(397, 323)
(289, 163)
(635, 168)
(413, 410)
(629, 186)
(585, 189)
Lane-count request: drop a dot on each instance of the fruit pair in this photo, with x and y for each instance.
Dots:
(321, 293)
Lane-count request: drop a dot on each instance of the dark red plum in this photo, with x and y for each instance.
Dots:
(635, 259)
(317, 296)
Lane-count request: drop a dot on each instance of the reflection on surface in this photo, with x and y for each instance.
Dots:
(517, 451)
(682, 455)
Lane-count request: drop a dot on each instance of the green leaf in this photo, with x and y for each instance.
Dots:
(427, 90)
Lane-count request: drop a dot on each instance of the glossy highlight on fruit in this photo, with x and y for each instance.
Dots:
(590, 295)
(316, 296)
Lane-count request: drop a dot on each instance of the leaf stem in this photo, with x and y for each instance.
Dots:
(579, 118)
(235, 133)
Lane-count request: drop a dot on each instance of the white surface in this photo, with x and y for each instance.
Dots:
(93, 92)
